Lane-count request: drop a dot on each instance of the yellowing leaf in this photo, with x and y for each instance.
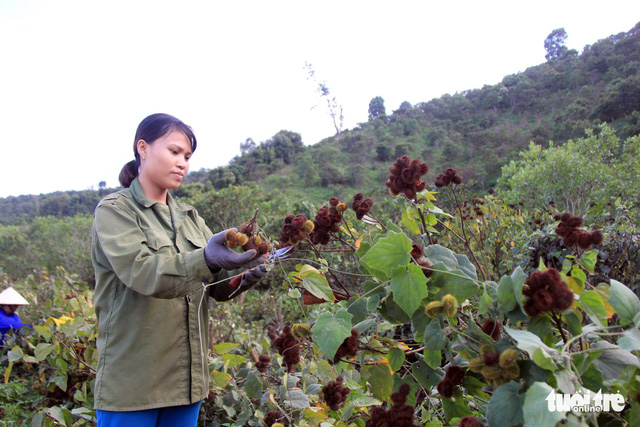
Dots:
(574, 285)
(60, 321)
(386, 363)
(603, 290)
(357, 244)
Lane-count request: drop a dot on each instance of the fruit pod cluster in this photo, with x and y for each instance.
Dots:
(361, 206)
(404, 177)
(246, 241)
(399, 415)
(571, 235)
(448, 177)
(497, 368)
(326, 221)
(289, 347)
(335, 394)
(452, 378)
(547, 292)
(349, 347)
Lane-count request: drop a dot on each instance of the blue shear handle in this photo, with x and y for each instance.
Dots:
(280, 253)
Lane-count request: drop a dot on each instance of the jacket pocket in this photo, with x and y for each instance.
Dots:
(196, 240)
(157, 241)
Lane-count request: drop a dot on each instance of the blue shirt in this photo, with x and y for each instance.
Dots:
(8, 321)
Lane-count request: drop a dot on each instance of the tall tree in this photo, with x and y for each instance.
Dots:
(554, 44)
(376, 108)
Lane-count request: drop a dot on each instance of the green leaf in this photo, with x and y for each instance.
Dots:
(505, 406)
(297, 399)
(426, 375)
(434, 336)
(330, 331)
(408, 219)
(364, 325)
(437, 254)
(592, 303)
(317, 284)
(588, 260)
(543, 355)
(61, 415)
(506, 295)
(233, 360)
(433, 358)
(630, 340)
(365, 401)
(381, 379)
(535, 407)
(456, 407)
(253, 386)
(389, 253)
(613, 360)
(15, 354)
(624, 302)
(43, 350)
(409, 287)
(454, 282)
(224, 347)
(396, 358)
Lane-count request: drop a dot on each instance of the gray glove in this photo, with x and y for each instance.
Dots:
(218, 256)
(252, 277)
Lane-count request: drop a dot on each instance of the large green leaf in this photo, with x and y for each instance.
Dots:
(454, 282)
(624, 302)
(330, 331)
(409, 287)
(389, 253)
(505, 406)
(543, 355)
(426, 375)
(593, 305)
(535, 407)
(630, 340)
(506, 295)
(396, 358)
(381, 379)
(613, 360)
(434, 336)
(297, 399)
(318, 285)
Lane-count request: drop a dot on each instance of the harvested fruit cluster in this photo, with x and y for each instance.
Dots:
(405, 177)
(245, 238)
(571, 235)
(547, 292)
(335, 394)
(448, 177)
(399, 415)
(274, 417)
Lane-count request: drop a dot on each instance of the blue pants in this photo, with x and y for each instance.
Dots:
(171, 416)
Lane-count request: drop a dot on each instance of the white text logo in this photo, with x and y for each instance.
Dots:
(584, 402)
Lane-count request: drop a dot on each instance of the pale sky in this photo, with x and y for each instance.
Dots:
(76, 77)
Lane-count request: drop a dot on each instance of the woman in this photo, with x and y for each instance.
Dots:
(155, 262)
(10, 300)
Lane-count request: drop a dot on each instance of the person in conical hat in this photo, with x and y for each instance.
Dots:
(10, 300)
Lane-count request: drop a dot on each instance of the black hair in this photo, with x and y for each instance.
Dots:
(151, 128)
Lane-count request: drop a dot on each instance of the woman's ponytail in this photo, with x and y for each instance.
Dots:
(128, 173)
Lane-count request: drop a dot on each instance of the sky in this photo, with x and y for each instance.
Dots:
(76, 77)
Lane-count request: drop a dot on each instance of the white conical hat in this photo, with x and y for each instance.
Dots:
(11, 297)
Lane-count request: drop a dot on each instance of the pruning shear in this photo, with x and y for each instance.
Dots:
(277, 255)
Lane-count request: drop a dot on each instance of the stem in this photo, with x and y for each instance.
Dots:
(464, 235)
(424, 225)
(329, 269)
(556, 319)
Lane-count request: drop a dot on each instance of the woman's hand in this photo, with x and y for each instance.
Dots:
(218, 256)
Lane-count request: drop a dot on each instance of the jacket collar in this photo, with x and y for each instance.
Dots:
(178, 210)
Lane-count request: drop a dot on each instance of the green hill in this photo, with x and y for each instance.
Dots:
(476, 131)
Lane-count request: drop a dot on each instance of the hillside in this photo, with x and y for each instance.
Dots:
(476, 131)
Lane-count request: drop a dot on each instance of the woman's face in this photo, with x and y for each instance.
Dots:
(10, 309)
(166, 160)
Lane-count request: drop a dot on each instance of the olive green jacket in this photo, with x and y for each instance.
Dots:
(151, 305)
